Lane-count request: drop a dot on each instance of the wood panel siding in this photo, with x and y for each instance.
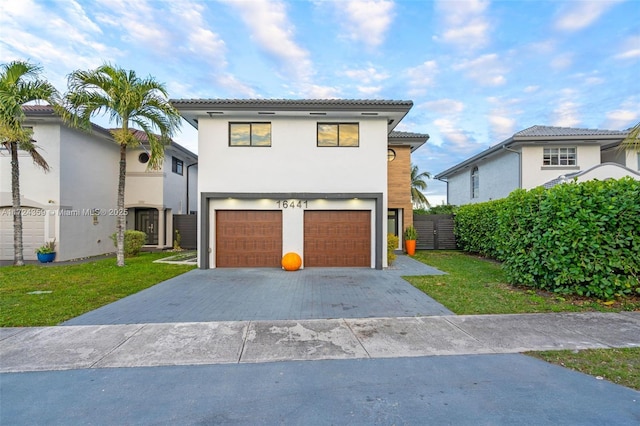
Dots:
(399, 183)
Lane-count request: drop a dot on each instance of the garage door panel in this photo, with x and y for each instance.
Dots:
(248, 238)
(337, 238)
(32, 234)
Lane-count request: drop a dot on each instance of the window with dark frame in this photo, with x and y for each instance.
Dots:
(559, 157)
(475, 183)
(338, 134)
(176, 165)
(250, 134)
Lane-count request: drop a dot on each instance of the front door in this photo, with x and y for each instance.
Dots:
(147, 222)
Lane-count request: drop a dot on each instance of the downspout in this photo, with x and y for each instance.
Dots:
(447, 182)
(188, 209)
(519, 163)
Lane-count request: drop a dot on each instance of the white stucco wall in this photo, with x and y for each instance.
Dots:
(37, 188)
(498, 177)
(143, 188)
(88, 180)
(535, 174)
(293, 164)
(175, 185)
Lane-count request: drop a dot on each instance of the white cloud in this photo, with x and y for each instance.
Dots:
(444, 106)
(565, 114)
(625, 116)
(577, 15)
(421, 77)
(367, 20)
(465, 23)
(453, 135)
(531, 89)
(366, 75)
(630, 49)
(487, 70)
(562, 62)
(271, 29)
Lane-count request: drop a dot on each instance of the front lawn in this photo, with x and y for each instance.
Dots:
(35, 295)
(476, 285)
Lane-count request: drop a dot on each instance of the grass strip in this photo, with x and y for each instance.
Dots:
(475, 285)
(620, 365)
(37, 295)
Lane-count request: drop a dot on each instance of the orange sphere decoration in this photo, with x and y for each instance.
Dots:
(291, 262)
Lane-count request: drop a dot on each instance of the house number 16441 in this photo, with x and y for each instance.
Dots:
(291, 204)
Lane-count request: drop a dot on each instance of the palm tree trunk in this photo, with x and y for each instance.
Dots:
(18, 259)
(122, 218)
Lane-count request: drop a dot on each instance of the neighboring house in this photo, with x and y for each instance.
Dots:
(153, 197)
(75, 204)
(307, 176)
(539, 156)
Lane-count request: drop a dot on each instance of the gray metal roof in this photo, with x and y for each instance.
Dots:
(290, 102)
(46, 111)
(547, 131)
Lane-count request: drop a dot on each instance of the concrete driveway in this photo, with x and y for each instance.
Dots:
(273, 294)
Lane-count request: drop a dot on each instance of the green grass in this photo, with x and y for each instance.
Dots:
(75, 289)
(476, 285)
(621, 366)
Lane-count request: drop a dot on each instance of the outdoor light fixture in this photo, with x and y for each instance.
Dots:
(391, 154)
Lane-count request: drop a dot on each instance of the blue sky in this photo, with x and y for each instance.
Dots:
(477, 71)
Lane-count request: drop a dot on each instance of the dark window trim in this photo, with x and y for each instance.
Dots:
(174, 166)
(475, 179)
(250, 123)
(337, 124)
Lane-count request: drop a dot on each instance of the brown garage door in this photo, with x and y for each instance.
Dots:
(248, 238)
(337, 238)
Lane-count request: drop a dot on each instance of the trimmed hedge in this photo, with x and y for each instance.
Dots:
(575, 238)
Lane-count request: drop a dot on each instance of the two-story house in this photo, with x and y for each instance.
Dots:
(75, 203)
(539, 156)
(304, 176)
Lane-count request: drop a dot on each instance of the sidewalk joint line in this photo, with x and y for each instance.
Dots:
(93, 365)
(356, 337)
(244, 341)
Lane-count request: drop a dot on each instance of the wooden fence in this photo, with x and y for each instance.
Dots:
(435, 232)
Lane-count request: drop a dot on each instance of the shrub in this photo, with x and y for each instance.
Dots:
(392, 245)
(442, 209)
(133, 242)
(475, 227)
(574, 238)
(410, 233)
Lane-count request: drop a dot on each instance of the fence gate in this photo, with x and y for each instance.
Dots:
(435, 232)
(187, 224)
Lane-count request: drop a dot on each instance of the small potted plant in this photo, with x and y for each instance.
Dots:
(47, 253)
(410, 237)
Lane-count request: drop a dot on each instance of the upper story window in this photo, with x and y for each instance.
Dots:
(338, 134)
(249, 134)
(176, 165)
(559, 157)
(475, 183)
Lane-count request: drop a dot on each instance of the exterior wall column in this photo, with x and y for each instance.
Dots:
(161, 228)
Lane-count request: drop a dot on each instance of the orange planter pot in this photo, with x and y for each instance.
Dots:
(410, 245)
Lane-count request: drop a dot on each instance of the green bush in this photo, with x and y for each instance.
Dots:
(133, 242)
(392, 245)
(574, 238)
(475, 227)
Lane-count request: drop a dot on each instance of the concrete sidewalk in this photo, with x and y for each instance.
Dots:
(203, 343)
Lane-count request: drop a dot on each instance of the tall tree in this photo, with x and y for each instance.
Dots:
(130, 102)
(418, 185)
(20, 83)
(632, 141)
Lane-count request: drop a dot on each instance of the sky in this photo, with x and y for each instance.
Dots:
(477, 71)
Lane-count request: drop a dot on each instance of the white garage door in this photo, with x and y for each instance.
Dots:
(32, 233)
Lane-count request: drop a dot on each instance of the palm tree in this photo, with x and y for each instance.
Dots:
(418, 185)
(130, 102)
(20, 83)
(632, 141)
